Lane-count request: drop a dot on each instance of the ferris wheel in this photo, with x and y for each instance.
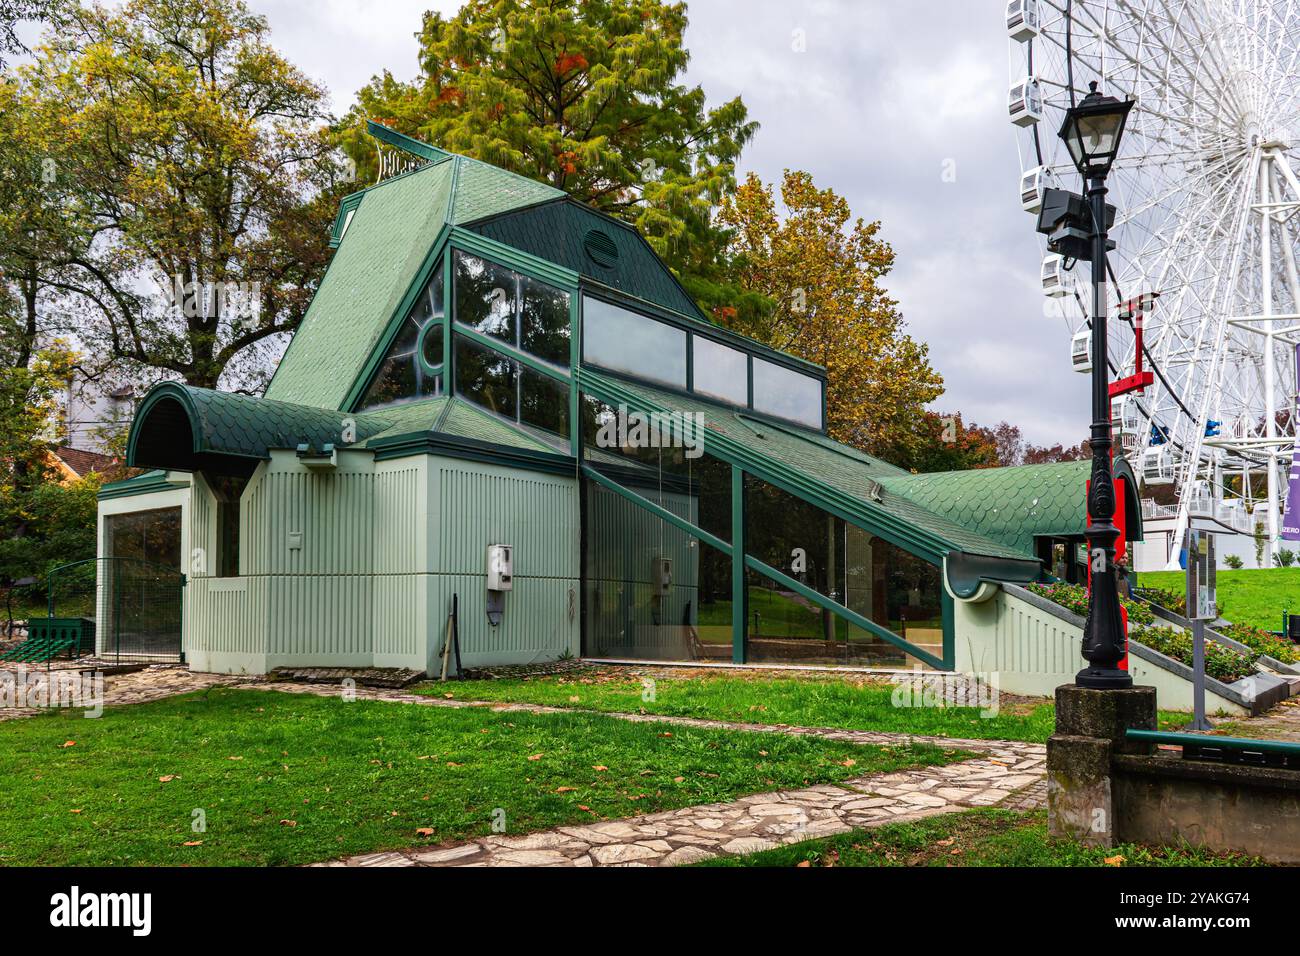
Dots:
(1206, 198)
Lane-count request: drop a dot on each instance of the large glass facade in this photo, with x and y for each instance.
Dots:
(526, 315)
(656, 591)
(870, 576)
(653, 590)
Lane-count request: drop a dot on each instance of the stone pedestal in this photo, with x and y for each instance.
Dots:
(1090, 727)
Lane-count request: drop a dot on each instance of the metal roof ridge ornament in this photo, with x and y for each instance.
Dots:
(398, 153)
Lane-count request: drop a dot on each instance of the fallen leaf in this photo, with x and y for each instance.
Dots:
(424, 831)
(449, 696)
(69, 743)
(600, 768)
(948, 842)
(848, 762)
(803, 864)
(74, 811)
(762, 753)
(678, 779)
(665, 734)
(565, 789)
(574, 699)
(536, 756)
(288, 823)
(451, 763)
(1117, 860)
(192, 843)
(167, 779)
(234, 758)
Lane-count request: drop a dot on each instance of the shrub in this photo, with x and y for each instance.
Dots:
(1234, 561)
(1262, 642)
(1285, 557)
(1221, 663)
(1074, 597)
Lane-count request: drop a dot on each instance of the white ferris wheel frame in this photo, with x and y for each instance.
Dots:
(1207, 201)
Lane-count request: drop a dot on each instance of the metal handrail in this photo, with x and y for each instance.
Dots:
(1206, 740)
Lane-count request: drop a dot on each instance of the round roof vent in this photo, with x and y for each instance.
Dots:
(600, 248)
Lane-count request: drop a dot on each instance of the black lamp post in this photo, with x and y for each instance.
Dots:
(1092, 131)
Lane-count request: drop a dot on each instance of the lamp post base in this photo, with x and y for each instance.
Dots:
(1104, 678)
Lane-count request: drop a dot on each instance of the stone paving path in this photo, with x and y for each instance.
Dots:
(1009, 773)
(751, 824)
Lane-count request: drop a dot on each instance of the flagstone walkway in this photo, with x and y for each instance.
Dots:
(753, 823)
(1008, 773)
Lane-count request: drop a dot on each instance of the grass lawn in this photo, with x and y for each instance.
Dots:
(286, 779)
(1250, 597)
(974, 838)
(808, 701)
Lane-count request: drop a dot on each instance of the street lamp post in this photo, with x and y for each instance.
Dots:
(1092, 131)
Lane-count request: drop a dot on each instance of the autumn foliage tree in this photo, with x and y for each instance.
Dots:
(819, 274)
(185, 152)
(584, 95)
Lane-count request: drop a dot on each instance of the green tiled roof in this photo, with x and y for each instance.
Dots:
(179, 426)
(391, 234)
(1010, 505)
(485, 190)
(828, 469)
(182, 427)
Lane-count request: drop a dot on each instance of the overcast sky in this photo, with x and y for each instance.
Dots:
(882, 97)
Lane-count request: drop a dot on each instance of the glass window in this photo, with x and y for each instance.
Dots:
(486, 378)
(544, 327)
(511, 389)
(785, 393)
(402, 375)
(431, 347)
(526, 313)
(486, 297)
(661, 458)
(151, 536)
(543, 402)
(624, 341)
(720, 371)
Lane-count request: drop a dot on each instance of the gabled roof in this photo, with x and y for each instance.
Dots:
(394, 227)
(78, 462)
(391, 234)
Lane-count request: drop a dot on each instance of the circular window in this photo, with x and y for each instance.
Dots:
(429, 346)
(600, 248)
